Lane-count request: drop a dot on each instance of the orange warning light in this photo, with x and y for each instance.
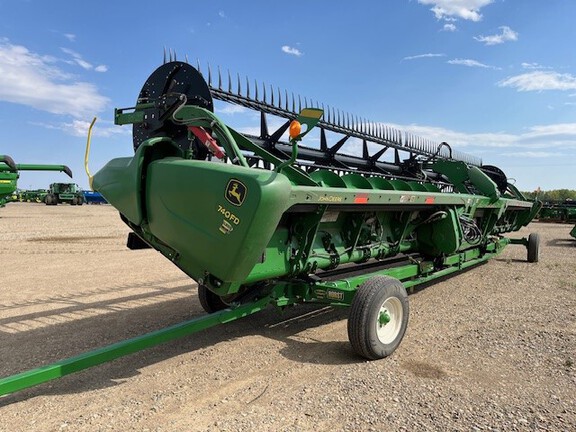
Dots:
(295, 129)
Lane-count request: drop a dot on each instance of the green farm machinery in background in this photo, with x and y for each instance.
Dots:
(259, 220)
(33, 195)
(60, 193)
(558, 211)
(9, 174)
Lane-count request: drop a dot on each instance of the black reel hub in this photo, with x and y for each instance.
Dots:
(170, 86)
(497, 176)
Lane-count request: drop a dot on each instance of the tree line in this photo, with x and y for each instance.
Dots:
(552, 195)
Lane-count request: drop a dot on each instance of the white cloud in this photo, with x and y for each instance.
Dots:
(540, 80)
(507, 35)
(449, 27)
(30, 79)
(533, 66)
(79, 128)
(290, 50)
(427, 55)
(232, 109)
(221, 14)
(470, 63)
(70, 36)
(77, 59)
(559, 136)
(533, 154)
(464, 9)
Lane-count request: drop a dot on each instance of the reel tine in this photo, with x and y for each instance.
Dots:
(186, 58)
(279, 98)
(334, 119)
(164, 60)
(175, 57)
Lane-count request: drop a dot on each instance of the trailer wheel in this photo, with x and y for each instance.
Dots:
(209, 301)
(533, 247)
(378, 317)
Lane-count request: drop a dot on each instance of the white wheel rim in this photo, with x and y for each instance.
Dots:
(387, 332)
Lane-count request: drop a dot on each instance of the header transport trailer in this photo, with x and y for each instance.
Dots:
(257, 220)
(9, 174)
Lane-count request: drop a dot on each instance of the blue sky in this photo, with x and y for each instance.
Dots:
(493, 78)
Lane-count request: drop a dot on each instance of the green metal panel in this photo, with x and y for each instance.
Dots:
(234, 228)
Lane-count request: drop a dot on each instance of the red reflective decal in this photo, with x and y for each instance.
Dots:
(429, 200)
(361, 199)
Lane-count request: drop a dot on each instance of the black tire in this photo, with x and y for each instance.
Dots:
(365, 329)
(209, 301)
(533, 248)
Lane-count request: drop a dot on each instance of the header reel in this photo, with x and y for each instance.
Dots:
(178, 84)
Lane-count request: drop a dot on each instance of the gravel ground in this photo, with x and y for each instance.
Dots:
(491, 349)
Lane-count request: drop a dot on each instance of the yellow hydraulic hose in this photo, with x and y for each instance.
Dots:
(88, 152)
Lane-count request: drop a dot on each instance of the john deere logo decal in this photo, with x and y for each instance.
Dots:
(235, 192)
